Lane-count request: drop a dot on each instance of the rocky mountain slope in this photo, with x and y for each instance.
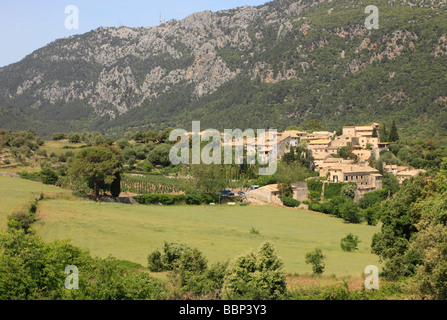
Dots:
(278, 64)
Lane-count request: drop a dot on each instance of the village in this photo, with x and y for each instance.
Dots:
(364, 141)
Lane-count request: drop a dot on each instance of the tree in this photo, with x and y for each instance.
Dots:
(350, 212)
(374, 133)
(160, 155)
(399, 220)
(209, 178)
(394, 135)
(115, 187)
(348, 191)
(293, 127)
(314, 124)
(74, 137)
(98, 164)
(316, 259)
(123, 144)
(383, 134)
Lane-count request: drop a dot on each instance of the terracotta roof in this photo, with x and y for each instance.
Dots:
(325, 142)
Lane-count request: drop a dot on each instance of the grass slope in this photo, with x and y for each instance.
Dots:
(16, 194)
(131, 232)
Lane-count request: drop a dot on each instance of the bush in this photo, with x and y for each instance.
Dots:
(167, 261)
(290, 202)
(6, 161)
(189, 266)
(48, 176)
(315, 206)
(23, 219)
(257, 276)
(314, 196)
(265, 180)
(349, 243)
(155, 263)
(58, 136)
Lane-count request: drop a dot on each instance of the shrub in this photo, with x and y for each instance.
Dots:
(155, 263)
(42, 153)
(257, 276)
(314, 196)
(6, 161)
(290, 202)
(147, 166)
(58, 136)
(266, 180)
(349, 243)
(316, 259)
(189, 266)
(48, 176)
(23, 219)
(315, 206)
(167, 261)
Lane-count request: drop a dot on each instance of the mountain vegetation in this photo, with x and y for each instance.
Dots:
(279, 64)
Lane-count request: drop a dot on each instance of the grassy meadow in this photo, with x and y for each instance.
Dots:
(131, 232)
(16, 194)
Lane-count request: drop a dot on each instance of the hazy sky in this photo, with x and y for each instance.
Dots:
(27, 25)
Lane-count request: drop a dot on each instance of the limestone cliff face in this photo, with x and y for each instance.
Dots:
(109, 72)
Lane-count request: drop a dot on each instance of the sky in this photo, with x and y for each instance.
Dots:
(27, 25)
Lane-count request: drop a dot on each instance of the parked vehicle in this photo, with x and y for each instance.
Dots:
(226, 193)
(241, 193)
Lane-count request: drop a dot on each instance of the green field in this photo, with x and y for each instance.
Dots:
(16, 193)
(131, 232)
(58, 147)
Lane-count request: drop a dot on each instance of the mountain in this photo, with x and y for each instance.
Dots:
(279, 64)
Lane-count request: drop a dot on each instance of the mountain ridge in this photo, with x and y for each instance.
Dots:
(277, 64)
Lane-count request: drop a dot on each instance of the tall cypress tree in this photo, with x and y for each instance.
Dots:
(374, 133)
(394, 136)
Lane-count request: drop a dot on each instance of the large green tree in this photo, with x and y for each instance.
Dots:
(99, 165)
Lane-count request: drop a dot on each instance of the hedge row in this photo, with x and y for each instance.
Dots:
(315, 185)
(332, 190)
(290, 202)
(170, 199)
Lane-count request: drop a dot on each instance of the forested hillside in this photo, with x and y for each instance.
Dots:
(283, 63)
